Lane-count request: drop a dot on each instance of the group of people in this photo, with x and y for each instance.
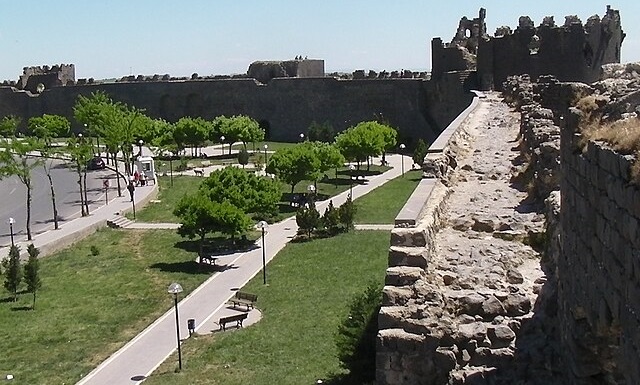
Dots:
(137, 179)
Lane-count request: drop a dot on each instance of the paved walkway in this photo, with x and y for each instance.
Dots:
(143, 354)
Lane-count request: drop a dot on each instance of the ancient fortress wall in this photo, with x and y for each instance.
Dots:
(404, 352)
(599, 265)
(285, 106)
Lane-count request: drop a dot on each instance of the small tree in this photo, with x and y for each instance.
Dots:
(243, 157)
(347, 213)
(331, 219)
(356, 339)
(13, 272)
(308, 219)
(420, 152)
(32, 273)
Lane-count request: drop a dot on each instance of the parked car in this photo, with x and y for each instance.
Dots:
(96, 163)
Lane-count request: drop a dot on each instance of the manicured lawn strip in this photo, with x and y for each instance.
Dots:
(89, 306)
(382, 205)
(310, 286)
(168, 196)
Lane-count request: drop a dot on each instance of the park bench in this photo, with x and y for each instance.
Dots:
(242, 298)
(237, 318)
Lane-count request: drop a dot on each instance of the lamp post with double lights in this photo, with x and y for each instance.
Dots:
(11, 222)
(402, 147)
(175, 289)
(262, 225)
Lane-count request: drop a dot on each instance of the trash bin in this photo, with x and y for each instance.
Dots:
(191, 325)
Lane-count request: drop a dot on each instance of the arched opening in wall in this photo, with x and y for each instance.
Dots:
(588, 54)
(194, 106)
(168, 108)
(266, 126)
(467, 33)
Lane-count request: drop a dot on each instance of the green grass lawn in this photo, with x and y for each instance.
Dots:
(168, 197)
(310, 286)
(385, 202)
(89, 306)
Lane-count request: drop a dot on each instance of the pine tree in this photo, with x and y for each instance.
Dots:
(331, 219)
(13, 272)
(32, 273)
(308, 219)
(347, 213)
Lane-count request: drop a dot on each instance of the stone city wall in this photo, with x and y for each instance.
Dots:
(285, 107)
(599, 267)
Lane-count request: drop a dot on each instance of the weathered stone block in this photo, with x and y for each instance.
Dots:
(395, 296)
(403, 275)
(408, 256)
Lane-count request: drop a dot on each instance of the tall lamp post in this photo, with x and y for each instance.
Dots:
(351, 168)
(174, 289)
(312, 190)
(265, 156)
(402, 146)
(262, 225)
(301, 137)
(11, 222)
(222, 144)
(140, 143)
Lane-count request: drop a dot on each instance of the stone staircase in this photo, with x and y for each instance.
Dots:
(119, 222)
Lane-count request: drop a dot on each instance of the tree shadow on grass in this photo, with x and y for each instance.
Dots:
(343, 379)
(189, 267)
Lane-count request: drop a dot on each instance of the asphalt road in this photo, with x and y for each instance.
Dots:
(13, 200)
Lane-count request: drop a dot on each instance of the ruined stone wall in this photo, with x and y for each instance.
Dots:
(599, 267)
(571, 52)
(286, 106)
(55, 76)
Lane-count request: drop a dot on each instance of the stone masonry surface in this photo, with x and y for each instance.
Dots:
(458, 305)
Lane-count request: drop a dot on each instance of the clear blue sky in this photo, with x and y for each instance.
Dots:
(115, 38)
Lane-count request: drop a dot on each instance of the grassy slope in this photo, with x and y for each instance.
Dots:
(383, 204)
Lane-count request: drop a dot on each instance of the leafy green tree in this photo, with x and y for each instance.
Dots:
(308, 219)
(247, 129)
(200, 216)
(420, 152)
(80, 153)
(365, 140)
(347, 214)
(356, 338)
(243, 157)
(47, 127)
(247, 191)
(329, 155)
(295, 164)
(194, 131)
(9, 126)
(331, 219)
(32, 272)
(321, 132)
(165, 144)
(17, 158)
(13, 272)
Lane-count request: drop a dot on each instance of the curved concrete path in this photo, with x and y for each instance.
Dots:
(144, 353)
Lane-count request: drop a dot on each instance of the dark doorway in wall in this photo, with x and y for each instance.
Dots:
(264, 124)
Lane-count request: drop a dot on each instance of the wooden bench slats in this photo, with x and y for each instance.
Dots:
(237, 318)
(242, 298)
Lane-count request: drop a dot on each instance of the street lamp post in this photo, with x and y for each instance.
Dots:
(265, 156)
(262, 225)
(351, 168)
(222, 144)
(312, 189)
(301, 137)
(174, 289)
(402, 147)
(140, 143)
(11, 221)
